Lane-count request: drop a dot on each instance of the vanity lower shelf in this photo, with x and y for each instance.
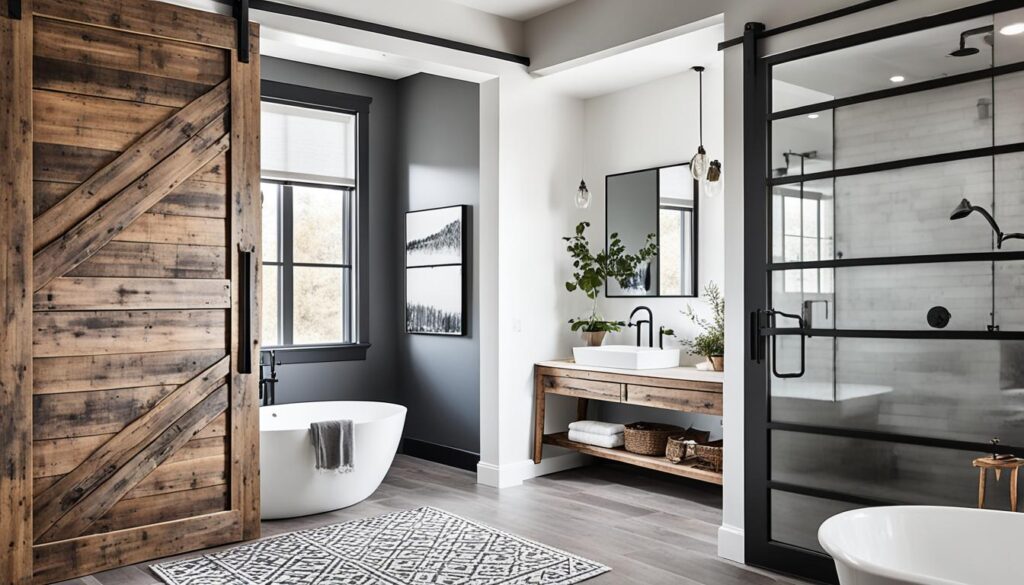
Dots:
(689, 470)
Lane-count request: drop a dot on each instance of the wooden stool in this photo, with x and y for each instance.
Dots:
(985, 463)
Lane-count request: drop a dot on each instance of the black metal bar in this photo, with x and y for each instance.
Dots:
(900, 28)
(891, 165)
(756, 99)
(900, 90)
(241, 10)
(373, 27)
(831, 495)
(896, 260)
(247, 288)
(14, 9)
(824, 17)
(981, 335)
(884, 437)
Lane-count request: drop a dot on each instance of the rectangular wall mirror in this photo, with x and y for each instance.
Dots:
(662, 201)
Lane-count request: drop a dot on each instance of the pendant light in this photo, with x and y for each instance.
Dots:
(582, 198)
(709, 173)
(699, 162)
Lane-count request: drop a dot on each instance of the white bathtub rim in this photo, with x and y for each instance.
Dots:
(829, 528)
(398, 411)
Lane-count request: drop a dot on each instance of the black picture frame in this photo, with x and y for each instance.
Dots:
(447, 264)
(694, 236)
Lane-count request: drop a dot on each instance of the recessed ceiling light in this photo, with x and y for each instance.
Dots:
(897, 79)
(1012, 29)
(812, 116)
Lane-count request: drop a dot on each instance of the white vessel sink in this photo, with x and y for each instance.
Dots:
(626, 357)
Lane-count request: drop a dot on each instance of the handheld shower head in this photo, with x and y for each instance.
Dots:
(963, 210)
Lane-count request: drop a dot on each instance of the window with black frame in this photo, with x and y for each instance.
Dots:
(309, 172)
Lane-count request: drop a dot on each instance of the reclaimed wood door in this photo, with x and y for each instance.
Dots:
(129, 257)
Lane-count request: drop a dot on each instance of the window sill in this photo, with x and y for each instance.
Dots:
(311, 354)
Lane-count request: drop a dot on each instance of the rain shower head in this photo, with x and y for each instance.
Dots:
(965, 208)
(964, 50)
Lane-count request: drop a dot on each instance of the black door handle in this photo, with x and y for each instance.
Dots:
(246, 305)
(803, 345)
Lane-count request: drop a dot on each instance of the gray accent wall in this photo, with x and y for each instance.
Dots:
(376, 378)
(424, 153)
(438, 166)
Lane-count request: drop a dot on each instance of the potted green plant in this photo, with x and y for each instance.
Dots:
(710, 342)
(591, 271)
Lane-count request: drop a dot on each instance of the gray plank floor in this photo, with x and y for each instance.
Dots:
(651, 529)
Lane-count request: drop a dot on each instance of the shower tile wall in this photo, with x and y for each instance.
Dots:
(967, 390)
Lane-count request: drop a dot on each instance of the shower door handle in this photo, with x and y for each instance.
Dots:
(772, 314)
(246, 306)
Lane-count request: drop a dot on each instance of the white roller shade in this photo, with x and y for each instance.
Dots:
(308, 145)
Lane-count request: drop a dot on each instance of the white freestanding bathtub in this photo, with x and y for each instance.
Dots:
(290, 485)
(924, 545)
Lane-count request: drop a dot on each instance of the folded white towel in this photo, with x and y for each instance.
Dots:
(608, 441)
(596, 427)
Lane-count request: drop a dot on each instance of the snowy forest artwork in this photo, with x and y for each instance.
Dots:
(434, 276)
(434, 237)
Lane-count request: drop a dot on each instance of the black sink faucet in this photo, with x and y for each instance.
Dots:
(639, 324)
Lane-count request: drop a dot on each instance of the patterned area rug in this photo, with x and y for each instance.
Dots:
(413, 547)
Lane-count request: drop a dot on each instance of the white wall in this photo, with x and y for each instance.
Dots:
(650, 125)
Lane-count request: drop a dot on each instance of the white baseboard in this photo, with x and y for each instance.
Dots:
(513, 474)
(730, 543)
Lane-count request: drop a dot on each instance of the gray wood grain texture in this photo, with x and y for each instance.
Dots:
(651, 529)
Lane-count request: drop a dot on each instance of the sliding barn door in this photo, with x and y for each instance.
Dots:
(130, 230)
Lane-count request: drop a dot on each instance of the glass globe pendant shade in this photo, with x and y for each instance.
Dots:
(583, 196)
(713, 180)
(699, 164)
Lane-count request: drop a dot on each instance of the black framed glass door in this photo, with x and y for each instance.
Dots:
(886, 302)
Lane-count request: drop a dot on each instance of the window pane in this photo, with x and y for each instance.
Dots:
(670, 251)
(308, 144)
(270, 313)
(319, 225)
(318, 314)
(271, 226)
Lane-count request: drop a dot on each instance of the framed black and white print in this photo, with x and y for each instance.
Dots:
(435, 271)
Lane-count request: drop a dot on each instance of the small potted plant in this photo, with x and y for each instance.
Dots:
(590, 272)
(710, 342)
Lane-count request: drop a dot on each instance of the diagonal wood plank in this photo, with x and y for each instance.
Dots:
(93, 506)
(64, 495)
(102, 225)
(153, 147)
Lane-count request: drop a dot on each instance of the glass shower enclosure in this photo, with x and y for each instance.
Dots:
(884, 182)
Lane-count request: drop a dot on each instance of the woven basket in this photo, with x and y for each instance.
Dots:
(678, 450)
(645, 438)
(709, 456)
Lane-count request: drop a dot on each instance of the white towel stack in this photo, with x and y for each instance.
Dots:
(597, 433)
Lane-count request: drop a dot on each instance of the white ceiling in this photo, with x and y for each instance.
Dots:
(639, 65)
(515, 9)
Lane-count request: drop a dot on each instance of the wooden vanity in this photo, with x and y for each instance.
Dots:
(679, 389)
